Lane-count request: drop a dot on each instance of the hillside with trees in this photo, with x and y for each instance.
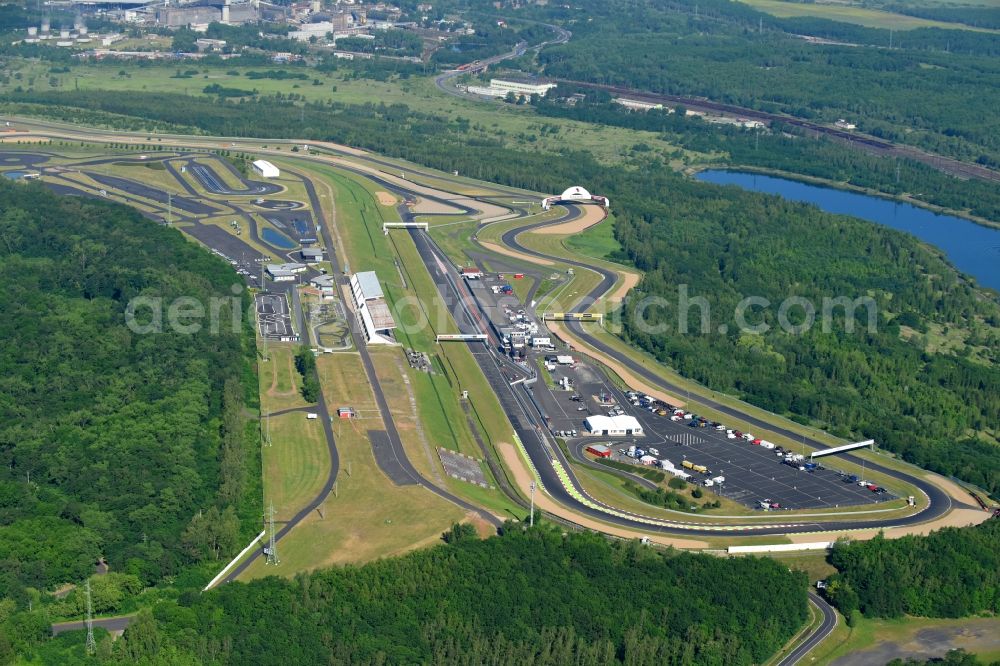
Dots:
(950, 573)
(134, 447)
(534, 596)
(934, 88)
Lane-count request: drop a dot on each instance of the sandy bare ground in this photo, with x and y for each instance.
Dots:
(629, 281)
(955, 491)
(627, 376)
(386, 199)
(523, 478)
(500, 249)
(23, 138)
(956, 518)
(591, 215)
(427, 207)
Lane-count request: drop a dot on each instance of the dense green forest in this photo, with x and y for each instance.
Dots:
(940, 95)
(526, 597)
(132, 446)
(952, 572)
(937, 409)
(879, 382)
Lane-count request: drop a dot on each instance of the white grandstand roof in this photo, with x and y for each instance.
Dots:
(370, 288)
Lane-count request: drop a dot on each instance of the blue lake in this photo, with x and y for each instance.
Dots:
(972, 248)
(13, 175)
(277, 239)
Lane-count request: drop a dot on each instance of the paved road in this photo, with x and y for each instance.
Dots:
(825, 629)
(442, 81)
(112, 624)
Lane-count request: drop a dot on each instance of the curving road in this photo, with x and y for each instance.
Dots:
(825, 629)
(442, 80)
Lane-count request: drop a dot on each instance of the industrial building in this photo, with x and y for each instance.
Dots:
(472, 273)
(325, 284)
(599, 450)
(285, 272)
(265, 169)
(203, 13)
(637, 105)
(320, 29)
(613, 426)
(311, 255)
(372, 309)
(520, 87)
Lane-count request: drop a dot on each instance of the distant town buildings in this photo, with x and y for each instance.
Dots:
(203, 14)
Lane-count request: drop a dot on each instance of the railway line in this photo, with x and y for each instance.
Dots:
(862, 141)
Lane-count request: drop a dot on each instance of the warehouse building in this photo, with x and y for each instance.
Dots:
(520, 87)
(265, 169)
(599, 450)
(285, 272)
(372, 309)
(525, 87)
(637, 105)
(311, 255)
(325, 284)
(613, 426)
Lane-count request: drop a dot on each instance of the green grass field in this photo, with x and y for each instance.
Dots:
(296, 464)
(976, 635)
(849, 13)
(368, 516)
(598, 241)
(515, 126)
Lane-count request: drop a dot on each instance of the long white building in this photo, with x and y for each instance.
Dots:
(500, 88)
(371, 307)
(613, 426)
(265, 169)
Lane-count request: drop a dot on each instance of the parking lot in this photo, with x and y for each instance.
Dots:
(752, 473)
(274, 318)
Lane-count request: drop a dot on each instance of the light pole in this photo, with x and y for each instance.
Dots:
(531, 519)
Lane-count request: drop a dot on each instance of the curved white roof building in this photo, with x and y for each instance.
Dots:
(576, 194)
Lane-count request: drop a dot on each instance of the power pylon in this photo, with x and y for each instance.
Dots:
(272, 548)
(91, 643)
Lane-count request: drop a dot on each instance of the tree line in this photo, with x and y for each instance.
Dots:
(953, 572)
(528, 596)
(935, 98)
